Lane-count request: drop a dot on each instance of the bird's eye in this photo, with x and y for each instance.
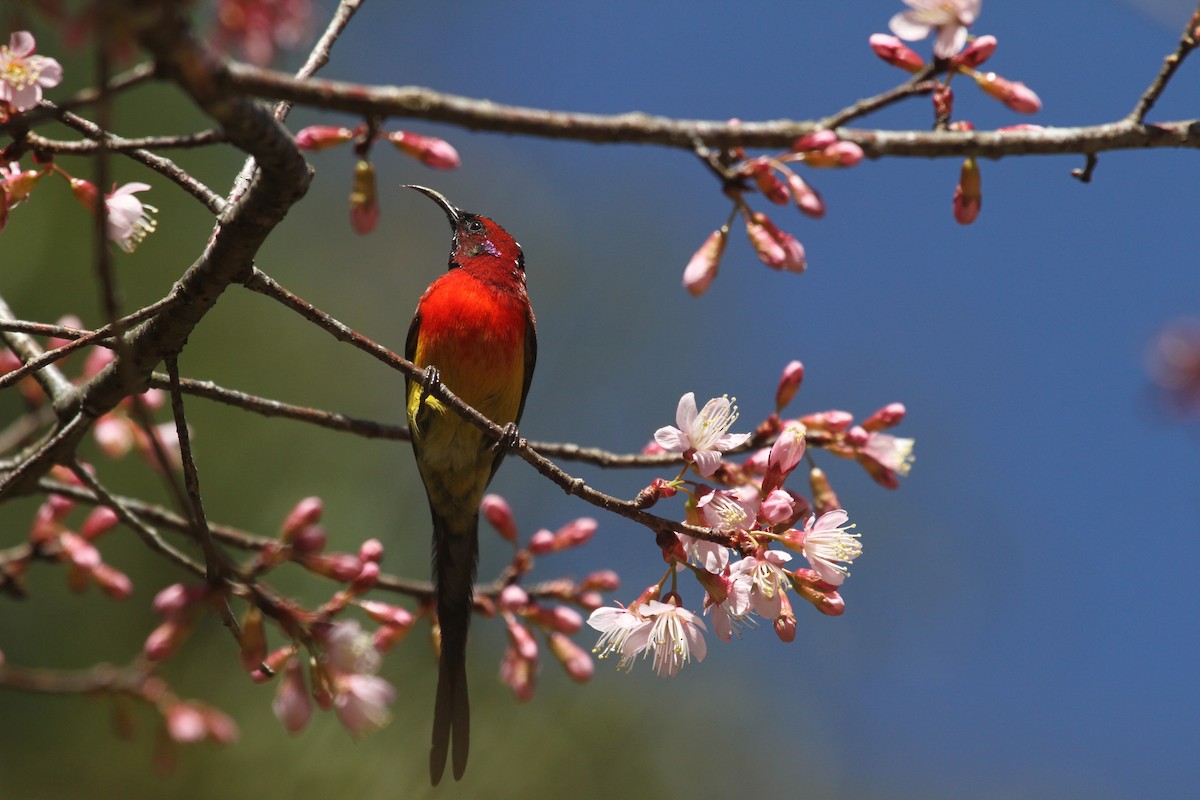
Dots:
(474, 226)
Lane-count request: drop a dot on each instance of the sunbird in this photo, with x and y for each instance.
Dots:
(474, 331)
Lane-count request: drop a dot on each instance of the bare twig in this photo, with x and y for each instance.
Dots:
(1187, 42)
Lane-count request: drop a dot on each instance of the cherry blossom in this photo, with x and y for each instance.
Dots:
(129, 220)
(622, 632)
(675, 636)
(23, 75)
(948, 18)
(766, 581)
(826, 541)
(704, 435)
(360, 697)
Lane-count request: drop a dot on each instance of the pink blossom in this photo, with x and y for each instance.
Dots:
(885, 456)
(776, 507)
(729, 510)
(730, 612)
(258, 27)
(129, 220)
(23, 75)
(348, 648)
(675, 637)
(949, 19)
(766, 581)
(292, 705)
(362, 701)
(828, 545)
(622, 633)
(519, 673)
(702, 436)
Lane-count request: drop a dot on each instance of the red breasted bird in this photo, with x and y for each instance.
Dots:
(475, 327)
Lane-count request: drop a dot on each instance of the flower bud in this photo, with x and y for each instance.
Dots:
(541, 542)
(305, 513)
(371, 550)
(252, 643)
(603, 580)
(429, 150)
(102, 520)
(322, 137)
(785, 623)
(776, 507)
(575, 533)
(575, 660)
(776, 249)
(768, 182)
(895, 52)
(806, 197)
(975, 53)
(817, 140)
(112, 581)
(887, 417)
(1014, 94)
(499, 515)
(522, 640)
(700, 272)
(824, 498)
(519, 673)
(364, 200)
(789, 382)
(513, 598)
(291, 704)
(968, 195)
(86, 193)
(833, 421)
(185, 723)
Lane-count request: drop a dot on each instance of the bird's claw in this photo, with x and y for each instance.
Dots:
(510, 439)
(430, 379)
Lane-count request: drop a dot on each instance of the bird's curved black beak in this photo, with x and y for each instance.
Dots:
(452, 213)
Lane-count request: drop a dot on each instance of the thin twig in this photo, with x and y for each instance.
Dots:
(1187, 42)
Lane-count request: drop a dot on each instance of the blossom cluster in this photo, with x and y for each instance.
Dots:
(748, 526)
(23, 76)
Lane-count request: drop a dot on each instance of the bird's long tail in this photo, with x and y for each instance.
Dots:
(455, 551)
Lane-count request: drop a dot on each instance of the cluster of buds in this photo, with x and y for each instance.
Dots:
(364, 196)
(955, 53)
(774, 178)
(50, 537)
(552, 612)
(749, 525)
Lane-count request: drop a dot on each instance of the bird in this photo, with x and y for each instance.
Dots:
(474, 332)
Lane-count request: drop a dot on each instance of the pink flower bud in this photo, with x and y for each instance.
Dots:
(321, 137)
(79, 551)
(895, 52)
(701, 271)
(430, 151)
(309, 540)
(185, 723)
(589, 601)
(788, 449)
(807, 199)
(1014, 94)
(522, 640)
(575, 660)
(789, 383)
(559, 618)
(887, 417)
(519, 673)
(176, 598)
(764, 177)
(968, 195)
(86, 193)
(857, 436)
(366, 578)
(304, 513)
(100, 521)
(165, 639)
(776, 249)
(341, 567)
(838, 154)
(371, 550)
(604, 580)
(291, 704)
(975, 53)
(499, 515)
(112, 581)
(822, 595)
(785, 623)
(817, 140)
(18, 186)
(575, 533)
(364, 199)
(221, 727)
(832, 421)
(824, 498)
(386, 614)
(513, 598)
(716, 586)
(541, 542)
(777, 507)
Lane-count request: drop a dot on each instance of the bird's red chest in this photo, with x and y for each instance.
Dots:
(474, 333)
